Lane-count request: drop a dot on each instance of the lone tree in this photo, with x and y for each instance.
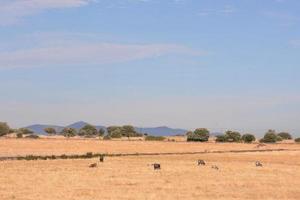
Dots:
(232, 136)
(285, 136)
(199, 135)
(248, 138)
(101, 132)
(69, 132)
(270, 137)
(4, 128)
(50, 131)
(88, 130)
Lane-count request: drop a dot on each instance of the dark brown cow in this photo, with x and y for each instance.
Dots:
(93, 165)
(215, 167)
(156, 166)
(101, 158)
(201, 162)
(258, 164)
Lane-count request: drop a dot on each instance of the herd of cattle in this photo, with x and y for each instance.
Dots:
(156, 166)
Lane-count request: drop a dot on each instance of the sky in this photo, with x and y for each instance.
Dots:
(219, 64)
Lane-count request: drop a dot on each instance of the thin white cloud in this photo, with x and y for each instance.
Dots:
(295, 43)
(223, 11)
(86, 52)
(12, 11)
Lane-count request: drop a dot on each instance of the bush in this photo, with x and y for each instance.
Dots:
(199, 135)
(297, 140)
(101, 132)
(4, 128)
(32, 136)
(285, 136)
(278, 138)
(270, 137)
(25, 131)
(248, 138)
(221, 138)
(50, 131)
(154, 138)
(19, 135)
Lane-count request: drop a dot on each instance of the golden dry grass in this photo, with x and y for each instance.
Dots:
(134, 178)
(13, 147)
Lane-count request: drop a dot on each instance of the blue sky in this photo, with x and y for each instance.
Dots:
(220, 64)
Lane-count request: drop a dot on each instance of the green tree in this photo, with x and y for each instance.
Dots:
(4, 128)
(128, 131)
(88, 130)
(50, 131)
(270, 137)
(69, 132)
(114, 131)
(285, 136)
(199, 135)
(25, 131)
(248, 138)
(232, 136)
(101, 132)
(297, 140)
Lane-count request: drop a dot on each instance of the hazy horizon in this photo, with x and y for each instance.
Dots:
(221, 64)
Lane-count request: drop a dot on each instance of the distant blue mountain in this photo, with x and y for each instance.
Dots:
(39, 128)
(156, 131)
(161, 131)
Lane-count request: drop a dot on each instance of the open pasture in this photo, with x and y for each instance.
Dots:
(133, 177)
(15, 147)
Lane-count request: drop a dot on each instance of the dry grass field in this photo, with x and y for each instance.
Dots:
(133, 177)
(13, 147)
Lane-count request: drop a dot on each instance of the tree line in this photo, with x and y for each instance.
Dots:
(271, 136)
(198, 135)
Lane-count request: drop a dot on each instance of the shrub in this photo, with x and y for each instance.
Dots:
(50, 131)
(297, 140)
(32, 136)
(248, 138)
(285, 136)
(4, 128)
(221, 138)
(199, 135)
(101, 132)
(89, 155)
(232, 136)
(19, 135)
(154, 138)
(278, 138)
(25, 131)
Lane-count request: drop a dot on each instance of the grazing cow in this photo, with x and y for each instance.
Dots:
(101, 158)
(93, 165)
(215, 167)
(201, 162)
(156, 166)
(258, 164)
